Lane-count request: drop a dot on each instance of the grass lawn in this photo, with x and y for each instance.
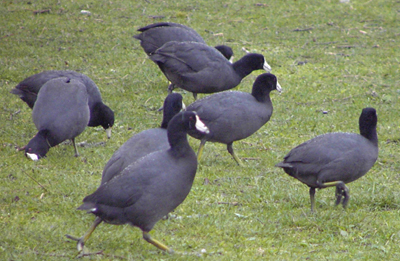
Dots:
(328, 56)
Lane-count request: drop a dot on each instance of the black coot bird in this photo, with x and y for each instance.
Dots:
(334, 159)
(60, 112)
(144, 142)
(154, 36)
(151, 187)
(100, 114)
(199, 68)
(234, 115)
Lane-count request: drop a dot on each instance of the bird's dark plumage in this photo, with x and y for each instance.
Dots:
(100, 114)
(199, 68)
(60, 112)
(334, 159)
(151, 187)
(154, 36)
(144, 142)
(234, 115)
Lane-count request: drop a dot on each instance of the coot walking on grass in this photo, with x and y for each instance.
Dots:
(234, 115)
(149, 188)
(334, 159)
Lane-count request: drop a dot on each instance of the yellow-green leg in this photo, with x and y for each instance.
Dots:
(236, 158)
(201, 147)
(82, 240)
(156, 243)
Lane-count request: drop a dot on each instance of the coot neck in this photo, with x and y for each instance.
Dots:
(242, 68)
(178, 141)
(101, 115)
(95, 117)
(370, 134)
(261, 95)
(164, 124)
(45, 134)
(167, 116)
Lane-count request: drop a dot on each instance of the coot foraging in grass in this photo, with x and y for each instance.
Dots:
(100, 114)
(60, 112)
(151, 187)
(154, 36)
(334, 159)
(234, 115)
(199, 68)
(144, 142)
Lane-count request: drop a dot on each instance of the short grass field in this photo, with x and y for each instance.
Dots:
(329, 56)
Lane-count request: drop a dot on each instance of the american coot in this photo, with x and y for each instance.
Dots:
(199, 68)
(151, 187)
(234, 115)
(60, 112)
(144, 142)
(100, 114)
(154, 36)
(334, 159)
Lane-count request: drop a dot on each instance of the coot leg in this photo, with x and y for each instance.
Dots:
(312, 198)
(201, 147)
(341, 191)
(84, 238)
(345, 193)
(156, 243)
(230, 150)
(76, 150)
(338, 195)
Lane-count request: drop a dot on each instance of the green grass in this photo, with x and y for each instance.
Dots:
(257, 212)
